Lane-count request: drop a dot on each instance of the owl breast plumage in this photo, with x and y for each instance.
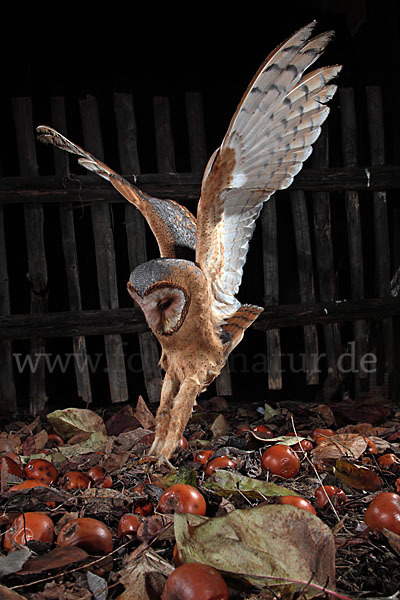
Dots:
(188, 295)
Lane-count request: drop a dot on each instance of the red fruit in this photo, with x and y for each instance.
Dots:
(386, 460)
(27, 527)
(13, 467)
(54, 440)
(303, 446)
(280, 460)
(99, 476)
(75, 480)
(264, 430)
(319, 435)
(299, 502)
(31, 483)
(182, 498)
(194, 581)
(128, 524)
(371, 446)
(183, 443)
(28, 483)
(336, 495)
(242, 429)
(202, 457)
(40, 468)
(142, 507)
(220, 462)
(89, 534)
(384, 512)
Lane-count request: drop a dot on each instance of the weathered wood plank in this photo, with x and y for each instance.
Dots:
(354, 236)
(324, 255)
(382, 249)
(127, 320)
(37, 266)
(306, 279)
(8, 399)
(163, 133)
(196, 132)
(185, 186)
(271, 289)
(105, 257)
(136, 233)
(61, 160)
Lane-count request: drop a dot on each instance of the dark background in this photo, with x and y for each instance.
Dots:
(214, 49)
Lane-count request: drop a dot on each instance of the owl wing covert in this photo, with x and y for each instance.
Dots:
(172, 224)
(268, 139)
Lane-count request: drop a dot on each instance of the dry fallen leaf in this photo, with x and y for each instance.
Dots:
(339, 445)
(359, 478)
(277, 546)
(220, 426)
(144, 415)
(71, 421)
(136, 574)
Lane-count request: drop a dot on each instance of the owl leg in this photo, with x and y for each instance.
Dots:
(180, 413)
(168, 392)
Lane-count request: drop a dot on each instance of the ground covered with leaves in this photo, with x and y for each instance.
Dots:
(261, 547)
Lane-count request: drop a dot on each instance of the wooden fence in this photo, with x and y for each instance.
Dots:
(323, 302)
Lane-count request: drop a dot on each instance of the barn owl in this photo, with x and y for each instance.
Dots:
(188, 295)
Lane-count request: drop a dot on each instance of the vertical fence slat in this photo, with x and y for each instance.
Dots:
(37, 266)
(198, 161)
(354, 238)
(271, 289)
(306, 280)
(105, 256)
(163, 134)
(382, 249)
(8, 399)
(61, 160)
(324, 256)
(136, 233)
(196, 132)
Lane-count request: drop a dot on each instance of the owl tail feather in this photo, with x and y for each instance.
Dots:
(237, 324)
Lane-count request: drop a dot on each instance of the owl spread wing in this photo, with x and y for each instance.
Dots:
(269, 137)
(172, 224)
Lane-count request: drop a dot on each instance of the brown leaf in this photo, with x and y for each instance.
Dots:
(35, 443)
(220, 426)
(359, 478)
(393, 539)
(123, 420)
(294, 545)
(144, 415)
(135, 575)
(326, 413)
(58, 558)
(336, 446)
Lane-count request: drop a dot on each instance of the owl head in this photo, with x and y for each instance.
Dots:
(164, 302)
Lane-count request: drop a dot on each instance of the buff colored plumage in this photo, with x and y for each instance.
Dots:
(188, 296)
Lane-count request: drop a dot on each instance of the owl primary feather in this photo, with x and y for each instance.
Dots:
(188, 295)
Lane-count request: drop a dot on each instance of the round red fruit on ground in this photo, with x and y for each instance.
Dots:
(384, 512)
(40, 468)
(195, 581)
(280, 460)
(182, 498)
(27, 527)
(299, 502)
(87, 533)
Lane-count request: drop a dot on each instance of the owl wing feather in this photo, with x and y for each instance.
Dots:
(268, 139)
(172, 224)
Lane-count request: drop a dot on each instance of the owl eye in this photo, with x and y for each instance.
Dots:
(165, 304)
